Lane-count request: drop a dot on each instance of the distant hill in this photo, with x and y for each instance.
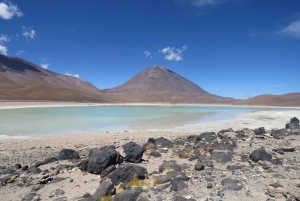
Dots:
(290, 99)
(158, 84)
(22, 80)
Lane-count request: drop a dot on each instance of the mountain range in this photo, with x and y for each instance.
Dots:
(23, 80)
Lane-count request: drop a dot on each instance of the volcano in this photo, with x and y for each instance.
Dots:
(158, 84)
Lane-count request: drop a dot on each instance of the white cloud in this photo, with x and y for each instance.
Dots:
(9, 10)
(206, 2)
(20, 52)
(4, 38)
(172, 54)
(45, 66)
(148, 54)
(73, 75)
(3, 50)
(29, 33)
(292, 30)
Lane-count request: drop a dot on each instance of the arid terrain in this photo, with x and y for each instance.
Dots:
(21, 80)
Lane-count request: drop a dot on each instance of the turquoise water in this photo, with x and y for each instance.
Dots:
(76, 120)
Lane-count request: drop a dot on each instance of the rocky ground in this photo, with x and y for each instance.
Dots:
(247, 164)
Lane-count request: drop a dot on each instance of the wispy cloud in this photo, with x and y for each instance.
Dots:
(148, 54)
(172, 54)
(206, 2)
(292, 30)
(20, 52)
(9, 10)
(29, 33)
(45, 66)
(4, 38)
(3, 48)
(70, 74)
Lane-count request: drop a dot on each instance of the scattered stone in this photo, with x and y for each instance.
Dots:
(126, 173)
(294, 124)
(234, 167)
(56, 192)
(199, 167)
(177, 184)
(155, 154)
(61, 199)
(260, 131)
(31, 197)
(164, 142)
(260, 155)
(131, 194)
(275, 192)
(180, 198)
(221, 157)
(67, 154)
(46, 161)
(106, 188)
(232, 184)
(209, 185)
(150, 145)
(133, 152)
(169, 165)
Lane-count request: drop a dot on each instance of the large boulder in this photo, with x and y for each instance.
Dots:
(67, 154)
(133, 152)
(260, 155)
(294, 124)
(106, 188)
(126, 173)
(101, 160)
(207, 137)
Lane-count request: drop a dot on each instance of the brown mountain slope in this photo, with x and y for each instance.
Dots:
(158, 84)
(22, 80)
(291, 99)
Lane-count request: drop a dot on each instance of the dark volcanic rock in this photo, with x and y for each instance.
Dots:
(126, 173)
(169, 165)
(224, 144)
(221, 157)
(164, 142)
(31, 197)
(234, 167)
(100, 161)
(179, 198)
(199, 167)
(150, 145)
(232, 184)
(66, 154)
(177, 184)
(207, 137)
(108, 170)
(95, 151)
(106, 188)
(294, 124)
(226, 130)
(155, 154)
(46, 161)
(131, 194)
(260, 155)
(260, 131)
(56, 192)
(134, 152)
(161, 179)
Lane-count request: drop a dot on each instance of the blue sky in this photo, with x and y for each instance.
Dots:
(235, 48)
